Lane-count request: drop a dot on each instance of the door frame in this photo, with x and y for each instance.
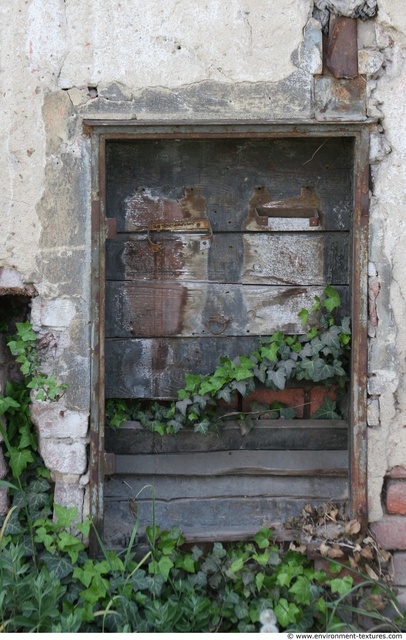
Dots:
(101, 228)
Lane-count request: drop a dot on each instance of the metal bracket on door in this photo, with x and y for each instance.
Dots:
(181, 226)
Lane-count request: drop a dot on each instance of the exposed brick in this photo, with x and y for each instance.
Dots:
(390, 532)
(56, 421)
(397, 472)
(396, 497)
(65, 458)
(291, 397)
(399, 565)
(317, 395)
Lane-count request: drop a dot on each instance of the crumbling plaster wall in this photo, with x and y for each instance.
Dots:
(63, 60)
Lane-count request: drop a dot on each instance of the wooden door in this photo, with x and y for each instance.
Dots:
(220, 241)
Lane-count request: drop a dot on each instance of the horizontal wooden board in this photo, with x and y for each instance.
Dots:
(201, 519)
(222, 463)
(177, 487)
(263, 258)
(155, 368)
(168, 309)
(266, 434)
(146, 180)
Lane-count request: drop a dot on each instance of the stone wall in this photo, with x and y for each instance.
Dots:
(64, 60)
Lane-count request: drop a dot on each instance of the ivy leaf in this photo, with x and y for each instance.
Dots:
(192, 382)
(278, 378)
(262, 537)
(286, 612)
(331, 338)
(176, 425)
(332, 300)
(202, 427)
(240, 386)
(182, 405)
(322, 370)
(260, 372)
(304, 316)
(59, 566)
(270, 352)
(19, 460)
(225, 394)
(326, 411)
(288, 414)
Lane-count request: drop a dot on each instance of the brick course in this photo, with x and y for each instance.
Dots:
(396, 497)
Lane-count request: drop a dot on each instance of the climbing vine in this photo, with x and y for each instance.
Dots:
(319, 355)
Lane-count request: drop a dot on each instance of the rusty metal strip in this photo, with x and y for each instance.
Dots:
(359, 352)
(341, 54)
(181, 226)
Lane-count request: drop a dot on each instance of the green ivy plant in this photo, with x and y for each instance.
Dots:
(320, 355)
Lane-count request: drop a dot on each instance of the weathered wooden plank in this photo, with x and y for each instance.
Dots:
(176, 487)
(164, 309)
(266, 434)
(221, 463)
(210, 519)
(146, 180)
(294, 259)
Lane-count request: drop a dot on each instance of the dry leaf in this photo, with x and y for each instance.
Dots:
(352, 528)
(308, 508)
(371, 573)
(333, 514)
(335, 552)
(384, 556)
(366, 552)
(324, 549)
(353, 563)
(375, 601)
(300, 548)
(369, 540)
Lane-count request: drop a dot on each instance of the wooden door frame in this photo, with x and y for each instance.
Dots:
(102, 130)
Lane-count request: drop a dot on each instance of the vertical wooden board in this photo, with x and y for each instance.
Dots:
(227, 171)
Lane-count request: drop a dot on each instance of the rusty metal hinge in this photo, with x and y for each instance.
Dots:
(109, 464)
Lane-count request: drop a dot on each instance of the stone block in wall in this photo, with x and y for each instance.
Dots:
(373, 413)
(56, 313)
(54, 420)
(3, 465)
(63, 457)
(396, 497)
(70, 495)
(4, 503)
(390, 532)
(399, 567)
(370, 61)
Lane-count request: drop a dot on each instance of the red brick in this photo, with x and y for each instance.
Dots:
(397, 472)
(317, 395)
(396, 497)
(291, 397)
(390, 532)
